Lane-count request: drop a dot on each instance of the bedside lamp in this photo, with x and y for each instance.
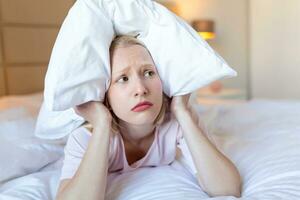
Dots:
(205, 28)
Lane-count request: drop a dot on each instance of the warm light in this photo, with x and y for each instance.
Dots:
(207, 35)
(172, 6)
(205, 28)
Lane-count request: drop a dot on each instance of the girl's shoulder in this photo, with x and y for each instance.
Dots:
(79, 139)
(170, 125)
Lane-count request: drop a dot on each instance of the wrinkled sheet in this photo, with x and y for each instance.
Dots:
(261, 137)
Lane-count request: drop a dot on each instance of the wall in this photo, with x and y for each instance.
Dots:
(27, 33)
(275, 49)
(28, 30)
(231, 24)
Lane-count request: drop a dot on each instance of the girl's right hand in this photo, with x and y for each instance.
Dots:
(95, 112)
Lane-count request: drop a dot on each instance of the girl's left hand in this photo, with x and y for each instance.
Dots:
(180, 103)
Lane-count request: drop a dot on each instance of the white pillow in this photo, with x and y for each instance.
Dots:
(172, 181)
(41, 185)
(17, 128)
(20, 151)
(79, 68)
(56, 124)
(26, 155)
(185, 62)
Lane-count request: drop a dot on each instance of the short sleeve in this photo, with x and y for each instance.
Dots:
(185, 156)
(74, 150)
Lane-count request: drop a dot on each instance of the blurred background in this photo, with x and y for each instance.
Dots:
(260, 39)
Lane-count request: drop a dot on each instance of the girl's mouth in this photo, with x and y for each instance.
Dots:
(141, 108)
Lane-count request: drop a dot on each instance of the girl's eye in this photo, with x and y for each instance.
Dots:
(123, 78)
(147, 73)
(151, 73)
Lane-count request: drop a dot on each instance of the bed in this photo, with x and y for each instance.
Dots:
(261, 137)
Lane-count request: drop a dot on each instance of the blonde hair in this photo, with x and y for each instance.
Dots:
(126, 41)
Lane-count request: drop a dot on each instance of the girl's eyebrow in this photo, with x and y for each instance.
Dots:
(128, 67)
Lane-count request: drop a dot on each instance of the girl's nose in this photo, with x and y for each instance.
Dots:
(140, 88)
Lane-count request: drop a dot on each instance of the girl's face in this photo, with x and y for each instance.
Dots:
(134, 80)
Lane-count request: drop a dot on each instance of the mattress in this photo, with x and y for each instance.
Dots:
(261, 137)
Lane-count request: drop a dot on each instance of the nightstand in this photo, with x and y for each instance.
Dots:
(225, 96)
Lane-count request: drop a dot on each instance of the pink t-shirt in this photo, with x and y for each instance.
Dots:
(168, 136)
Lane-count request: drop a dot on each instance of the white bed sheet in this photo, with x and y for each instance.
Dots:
(261, 137)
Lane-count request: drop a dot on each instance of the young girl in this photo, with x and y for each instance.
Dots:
(138, 126)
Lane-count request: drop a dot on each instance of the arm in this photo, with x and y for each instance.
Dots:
(89, 182)
(217, 175)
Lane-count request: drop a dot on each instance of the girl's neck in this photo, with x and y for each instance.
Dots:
(137, 135)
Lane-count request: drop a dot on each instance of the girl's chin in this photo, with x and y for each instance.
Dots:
(142, 120)
(139, 118)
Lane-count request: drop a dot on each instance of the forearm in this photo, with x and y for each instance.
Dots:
(217, 175)
(89, 182)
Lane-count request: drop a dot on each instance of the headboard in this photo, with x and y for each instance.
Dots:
(28, 30)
